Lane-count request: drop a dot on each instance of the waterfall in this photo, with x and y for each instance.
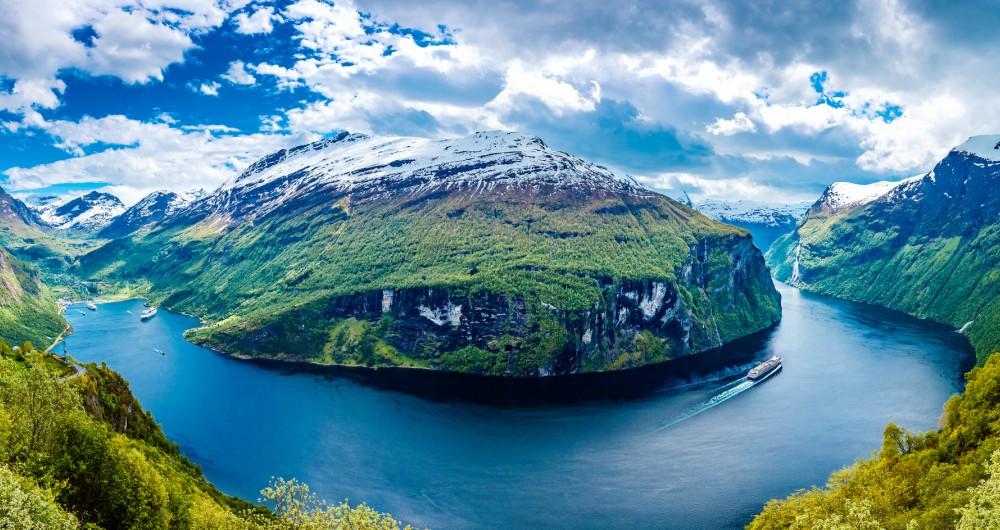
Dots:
(795, 265)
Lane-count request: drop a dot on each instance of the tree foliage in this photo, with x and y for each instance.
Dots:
(81, 451)
(931, 480)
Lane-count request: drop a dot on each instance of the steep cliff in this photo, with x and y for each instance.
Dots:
(491, 254)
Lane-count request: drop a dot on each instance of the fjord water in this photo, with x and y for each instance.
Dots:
(704, 449)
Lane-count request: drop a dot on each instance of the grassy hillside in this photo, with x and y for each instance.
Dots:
(275, 280)
(939, 479)
(28, 311)
(77, 451)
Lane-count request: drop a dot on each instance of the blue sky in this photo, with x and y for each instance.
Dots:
(769, 101)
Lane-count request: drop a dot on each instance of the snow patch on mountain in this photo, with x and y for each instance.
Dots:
(986, 147)
(482, 159)
(752, 212)
(843, 195)
(152, 208)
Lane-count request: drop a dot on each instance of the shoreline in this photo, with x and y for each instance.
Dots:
(731, 360)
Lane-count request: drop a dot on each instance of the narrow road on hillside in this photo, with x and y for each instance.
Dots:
(58, 339)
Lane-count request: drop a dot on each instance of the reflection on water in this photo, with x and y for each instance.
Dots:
(684, 445)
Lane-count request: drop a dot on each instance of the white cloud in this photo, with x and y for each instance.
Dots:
(558, 95)
(286, 77)
(237, 74)
(701, 187)
(147, 155)
(133, 47)
(740, 122)
(259, 22)
(209, 89)
(132, 39)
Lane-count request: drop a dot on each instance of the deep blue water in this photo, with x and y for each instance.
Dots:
(697, 447)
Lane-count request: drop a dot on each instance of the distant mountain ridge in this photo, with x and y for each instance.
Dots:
(491, 253)
(150, 209)
(928, 245)
(766, 222)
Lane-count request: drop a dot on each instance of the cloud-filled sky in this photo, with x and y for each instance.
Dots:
(762, 100)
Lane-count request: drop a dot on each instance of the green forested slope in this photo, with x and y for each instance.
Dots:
(28, 311)
(932, 480)
(930, 248)
(77, 451)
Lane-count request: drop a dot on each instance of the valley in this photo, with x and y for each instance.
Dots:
(442, 451)
(516, 278)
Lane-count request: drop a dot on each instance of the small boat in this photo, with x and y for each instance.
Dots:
(148, 314)
(129, 311)
(83, 313)
(161, 352)
(765, 369)
(91, 306)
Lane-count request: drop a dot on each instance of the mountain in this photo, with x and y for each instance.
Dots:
(26, 236)
(13, 211)
(490, 253)
(87, 213)
(27, 310)
(153, 208)
(927, 245)
(765, 222)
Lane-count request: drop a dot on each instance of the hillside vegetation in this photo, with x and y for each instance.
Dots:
(930, 248)
(27, 308)
(939, 479)
(513, 276)
(77, 451)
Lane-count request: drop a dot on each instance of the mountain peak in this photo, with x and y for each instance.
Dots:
(843, 195)
(371, 167)
(150, 209)
(985, 146)
(91, 211)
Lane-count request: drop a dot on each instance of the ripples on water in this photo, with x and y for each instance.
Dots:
(685, 445)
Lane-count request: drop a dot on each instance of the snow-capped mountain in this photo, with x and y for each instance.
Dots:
(841, 196)
(766, 222)
(151, 209)
(89, 212)
(752, 211)
(927, 245)
(381, 167)
(491, 253)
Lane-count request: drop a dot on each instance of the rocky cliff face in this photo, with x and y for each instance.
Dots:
(632, 323)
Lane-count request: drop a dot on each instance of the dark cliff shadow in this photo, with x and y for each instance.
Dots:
(729, 361)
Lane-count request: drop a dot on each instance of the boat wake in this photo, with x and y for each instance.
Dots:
(728, 392)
